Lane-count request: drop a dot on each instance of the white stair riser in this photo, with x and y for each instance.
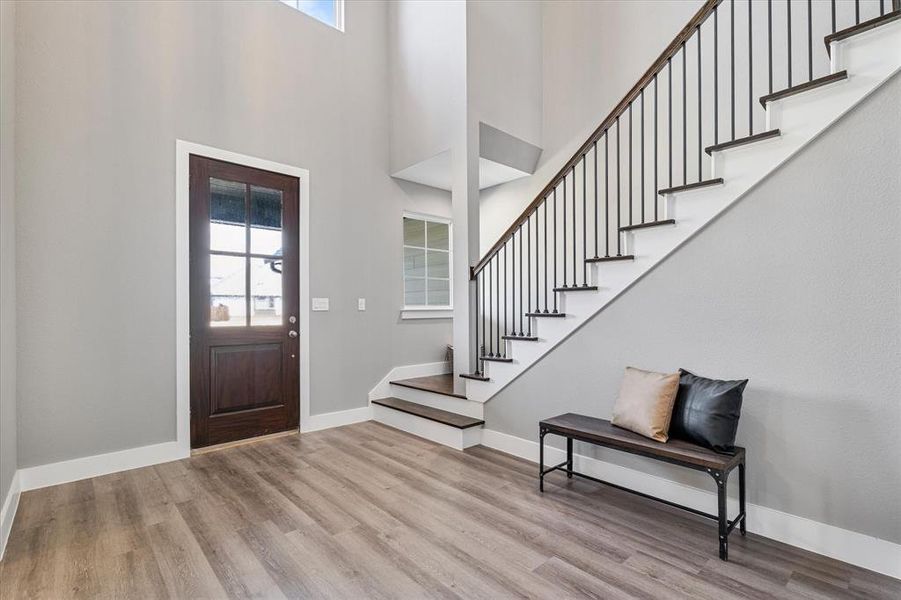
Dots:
(459, 439)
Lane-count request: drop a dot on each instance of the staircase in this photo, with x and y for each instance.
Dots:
(715, 114)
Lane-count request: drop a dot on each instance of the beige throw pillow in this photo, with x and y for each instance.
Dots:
(645, 402)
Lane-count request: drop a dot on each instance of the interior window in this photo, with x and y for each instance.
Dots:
(330, 12)
(427, 262)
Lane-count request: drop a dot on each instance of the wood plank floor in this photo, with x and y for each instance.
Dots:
(366, 511)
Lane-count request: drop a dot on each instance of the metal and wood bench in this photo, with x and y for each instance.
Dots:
(678, 452)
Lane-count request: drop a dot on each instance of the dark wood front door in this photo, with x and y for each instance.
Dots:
(244, 302)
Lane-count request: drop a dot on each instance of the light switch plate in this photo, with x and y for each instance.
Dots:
(361, 303)
(320, 304)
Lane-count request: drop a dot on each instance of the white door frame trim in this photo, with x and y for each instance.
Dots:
(183, 150)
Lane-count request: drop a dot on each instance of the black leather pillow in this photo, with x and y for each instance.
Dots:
(706, 411)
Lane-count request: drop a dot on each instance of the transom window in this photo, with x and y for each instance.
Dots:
(427, 262)
(330, 12)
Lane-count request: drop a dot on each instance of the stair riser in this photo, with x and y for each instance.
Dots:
(870, 59)
(459, 439)
(440, 401)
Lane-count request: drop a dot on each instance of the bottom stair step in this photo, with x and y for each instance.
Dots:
(475, 376)
(449, 429)
(427, 412)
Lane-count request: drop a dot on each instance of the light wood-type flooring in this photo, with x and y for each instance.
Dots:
(365, 511)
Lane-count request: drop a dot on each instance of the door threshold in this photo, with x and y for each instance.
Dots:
(259, 438)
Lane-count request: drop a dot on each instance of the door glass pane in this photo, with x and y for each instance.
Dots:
(227, 216)
(414, 232)
(438, 264)
(414, 292)
(265, 221)
(414, 262)
(439, 292)
(265, 291)
(227, 291)
(438, 235)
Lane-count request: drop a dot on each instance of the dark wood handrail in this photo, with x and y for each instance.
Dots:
(705, 11)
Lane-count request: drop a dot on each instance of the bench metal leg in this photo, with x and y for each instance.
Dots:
(569, 458)
(722, 518)
(541, 434)
(741, 499)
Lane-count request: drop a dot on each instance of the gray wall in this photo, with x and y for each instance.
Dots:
(104, 90)
(797, 288)
(7, 248)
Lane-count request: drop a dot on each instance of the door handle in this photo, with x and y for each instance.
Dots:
(292, 334)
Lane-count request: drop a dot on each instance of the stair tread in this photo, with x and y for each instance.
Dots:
(757, 137)
(860, 28)
(427, 412)
(547, 314)
(648, 224)
(496, 359)
(475, 376)
(803, 87)
(439, 384)
(524, 338)
(577, 288)
(691, 186)
(598, 259)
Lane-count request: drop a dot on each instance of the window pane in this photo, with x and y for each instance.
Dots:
(414, 262)
(438, 266)
(227, 291)
(265, 291)
(414, 232)
(438, 235)
(439, 292)
(265, 221)
(227, 216)
(414, 292)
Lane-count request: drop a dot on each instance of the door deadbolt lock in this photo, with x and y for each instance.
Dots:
(292, 319)
(292, 334)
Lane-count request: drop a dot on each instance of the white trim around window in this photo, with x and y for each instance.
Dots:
(429, 311)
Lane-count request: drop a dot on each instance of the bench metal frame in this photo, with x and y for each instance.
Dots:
(720, 476)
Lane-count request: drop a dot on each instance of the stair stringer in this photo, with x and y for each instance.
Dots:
(871, 59)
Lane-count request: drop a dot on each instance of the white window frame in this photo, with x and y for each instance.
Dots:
(339, 13)
(429, 311)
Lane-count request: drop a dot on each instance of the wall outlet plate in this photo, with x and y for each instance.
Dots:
(361, 303)
(320, 304)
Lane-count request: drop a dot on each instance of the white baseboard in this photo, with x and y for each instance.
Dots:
(336, 419)
(8, 512)
(855, 548)
(383, 388)
(32, 478)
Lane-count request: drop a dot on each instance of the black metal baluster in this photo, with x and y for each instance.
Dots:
(584, 226)
(545, 254)
(700, 131)
(513, 283)
(656, 200)
(769, 37)
(606, 193)
(563, 249)
(788, 8)
(716, 76)
(641, 179)
(856, 12)
(503, 342)
(881, 8)
(522, 304)
(555, 247)
(478, 348)
(595, 198)
(750, 71)
(537, 268)
(669, 120)
(684, 115)
(574, 224)
(631, 221)
(497, 302)
(810, 39)
(833, 16)
(529, 272)
(490, 311)
(618, 186)
(732, 59)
